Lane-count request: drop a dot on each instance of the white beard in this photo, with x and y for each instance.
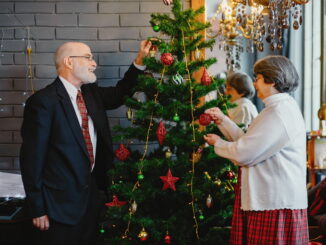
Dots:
(84, 74)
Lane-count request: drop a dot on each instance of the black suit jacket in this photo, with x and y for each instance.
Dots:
(53, 158)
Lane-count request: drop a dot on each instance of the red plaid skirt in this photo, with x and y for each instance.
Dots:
(272, 227)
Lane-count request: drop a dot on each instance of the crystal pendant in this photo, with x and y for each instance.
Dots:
(296, 25)
(273, 46)
(260, 47)
(269, 39)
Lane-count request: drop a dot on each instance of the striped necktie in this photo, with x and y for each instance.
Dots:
(84, 116)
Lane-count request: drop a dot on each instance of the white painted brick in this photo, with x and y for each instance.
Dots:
(117, 59)
(12, 71)
(118, 7)
(154, 7)
(18, 110)
(107, 72)
(31, 7)
(129, 45)
(107, 82)
(8, 33)
(103, 46)
(76, 33)
(48, 46)
(76, 7)
(6, 84)
(119, 33)
(6, 7)
(6, 59)
(98, 20)
(135, 19)
(15, 45)
(17, 20)
(56, 20)
(5, 111)
(17, 137)
(36, 33)
(6, 163)
(22, 85)
(36, 58)
(14, 98)
(43, 71)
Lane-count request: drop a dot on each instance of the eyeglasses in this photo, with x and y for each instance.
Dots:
(89, 58)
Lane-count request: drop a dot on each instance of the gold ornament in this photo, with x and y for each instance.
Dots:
(29, 49)
(207, 175)
(143, 235)
(152, 51)
(195, 157)
(129, 114)
(168, 154)
(218, 182)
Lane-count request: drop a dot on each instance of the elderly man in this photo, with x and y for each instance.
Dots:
(67, 146)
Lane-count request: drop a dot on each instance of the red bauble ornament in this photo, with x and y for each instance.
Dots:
(206, 79)
(115, 202)
(205, 119)
(230, 175)
(167, 238)
(122, 153)
(167, 59)
(169, 181)
(161, 132)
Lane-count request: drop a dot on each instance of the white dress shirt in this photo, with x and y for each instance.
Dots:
(272, 154)
(72, 92)
(244, 112)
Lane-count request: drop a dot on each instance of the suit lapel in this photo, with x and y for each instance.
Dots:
(96, 114)
(71, 115)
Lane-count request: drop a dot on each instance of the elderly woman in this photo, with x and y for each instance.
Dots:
(239, 86)
(271, 200)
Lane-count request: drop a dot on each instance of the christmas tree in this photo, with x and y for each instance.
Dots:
(174, 189)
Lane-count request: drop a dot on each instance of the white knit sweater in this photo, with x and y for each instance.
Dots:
(244, 112)
(272, 154)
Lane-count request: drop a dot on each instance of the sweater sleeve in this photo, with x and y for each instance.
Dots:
(230, 129)
(266, 137)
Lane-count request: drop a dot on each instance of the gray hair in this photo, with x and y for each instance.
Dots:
(242, 83)
(278, 70)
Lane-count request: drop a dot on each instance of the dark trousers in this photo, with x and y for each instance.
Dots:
(84, 233)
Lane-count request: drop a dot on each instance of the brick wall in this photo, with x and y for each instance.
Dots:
(112, 28)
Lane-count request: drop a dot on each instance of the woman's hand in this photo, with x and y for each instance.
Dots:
(216, 114)
(167, 2)
(211, 138)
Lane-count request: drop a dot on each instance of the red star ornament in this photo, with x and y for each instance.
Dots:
(122, 153)
(169, 181)
(115, 202)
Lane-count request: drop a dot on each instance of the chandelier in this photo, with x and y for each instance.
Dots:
(256, 21)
